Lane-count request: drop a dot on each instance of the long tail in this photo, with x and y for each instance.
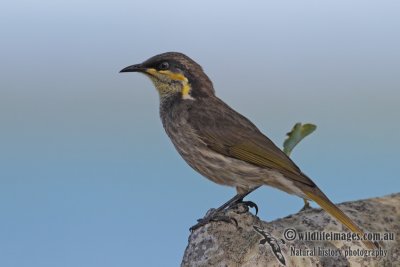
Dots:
(324, 202)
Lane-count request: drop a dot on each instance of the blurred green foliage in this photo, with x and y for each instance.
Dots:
(298, 133)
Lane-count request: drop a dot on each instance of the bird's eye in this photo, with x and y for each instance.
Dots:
(163, 66)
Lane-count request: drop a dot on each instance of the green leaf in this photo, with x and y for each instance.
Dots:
(297, 134)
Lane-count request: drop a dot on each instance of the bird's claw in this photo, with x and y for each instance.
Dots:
(214, 218)
(224, 218)
(219, 214)
(248, 204)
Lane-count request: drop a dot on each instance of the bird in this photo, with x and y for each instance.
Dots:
(220, 143)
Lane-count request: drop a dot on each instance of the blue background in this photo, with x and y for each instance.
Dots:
(87, 175)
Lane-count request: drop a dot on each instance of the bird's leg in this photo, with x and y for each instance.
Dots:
(247, 204)
(306, 205)
(216, 214)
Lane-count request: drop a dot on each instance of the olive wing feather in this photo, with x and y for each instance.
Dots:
(233, 135)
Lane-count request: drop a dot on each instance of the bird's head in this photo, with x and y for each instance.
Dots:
(175, 74)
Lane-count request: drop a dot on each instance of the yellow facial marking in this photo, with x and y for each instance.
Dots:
(179, 77)
(174, 76)
(151, 71)
(185, 92)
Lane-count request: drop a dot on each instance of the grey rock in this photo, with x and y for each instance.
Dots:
(224, 244)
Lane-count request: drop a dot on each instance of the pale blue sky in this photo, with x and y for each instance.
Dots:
(87, 175)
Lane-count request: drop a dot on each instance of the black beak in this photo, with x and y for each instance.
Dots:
(134, 68)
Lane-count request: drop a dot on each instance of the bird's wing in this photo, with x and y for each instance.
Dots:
(229, 133)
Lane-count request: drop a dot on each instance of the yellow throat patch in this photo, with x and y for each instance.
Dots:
(185, 91)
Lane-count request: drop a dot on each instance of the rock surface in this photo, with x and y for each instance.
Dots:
(257, 243)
